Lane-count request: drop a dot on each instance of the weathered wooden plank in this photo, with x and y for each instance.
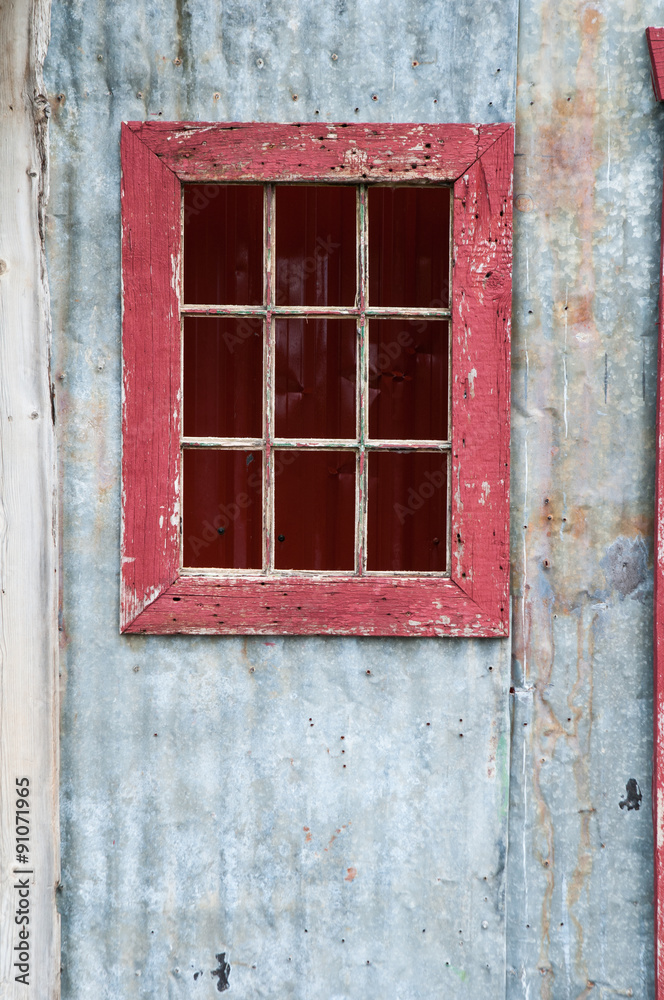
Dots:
(29, 836)
(151, 375)
(386, 311)
(481, 310)
(339, 152)
(314, 606)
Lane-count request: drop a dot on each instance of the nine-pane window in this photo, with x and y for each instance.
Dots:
(316, 374)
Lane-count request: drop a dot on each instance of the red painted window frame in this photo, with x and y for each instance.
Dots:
(156, 597)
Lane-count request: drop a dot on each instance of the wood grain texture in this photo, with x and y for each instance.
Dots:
(28, 505)
(655, 37)
(481, 311)
(658, 692)
(151, 376)
(309, 151)
(308, 606)
(155, 597)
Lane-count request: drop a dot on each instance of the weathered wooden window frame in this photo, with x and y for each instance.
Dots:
(157, 595)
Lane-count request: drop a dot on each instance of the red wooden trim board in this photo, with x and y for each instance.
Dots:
(239, 151)
(151, 375)
(658, 692)
(655, 38)
(156, 596)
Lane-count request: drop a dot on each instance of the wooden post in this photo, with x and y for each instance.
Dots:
(29, 872)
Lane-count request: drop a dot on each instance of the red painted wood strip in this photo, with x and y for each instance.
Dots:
(655, 38)
(311, 151)
(307, 606)
(151, 375)
(481, 308)
(658, 745)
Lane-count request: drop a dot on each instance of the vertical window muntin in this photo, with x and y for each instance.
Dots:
(363, 445)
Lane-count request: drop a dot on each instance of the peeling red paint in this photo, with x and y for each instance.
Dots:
(156, 597)
(655, 37)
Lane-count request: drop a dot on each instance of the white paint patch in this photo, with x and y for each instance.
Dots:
(472, 375)
(175, 273)
(356, 159)
(151, 595)
(486, 489)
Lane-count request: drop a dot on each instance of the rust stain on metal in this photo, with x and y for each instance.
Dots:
(568, 554)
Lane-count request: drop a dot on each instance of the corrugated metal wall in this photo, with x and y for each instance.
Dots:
(206, 809)
(588, 196)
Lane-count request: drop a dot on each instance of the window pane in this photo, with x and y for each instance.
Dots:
(408, 379)
(315, 246)
(223, 244)
(223, 377)
(409, 246)
(315, 378)
(407, 512)
(222, 509)
(314, 520)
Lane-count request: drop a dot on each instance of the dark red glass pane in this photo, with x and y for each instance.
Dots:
(407, 512)
(222, 509)
(314, 517)
(409, 246)
(315, 378)
(223, 377)
(315, 246)
(408, 379)
(223, 244)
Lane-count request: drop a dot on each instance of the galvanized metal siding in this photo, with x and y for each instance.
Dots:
(209, 803)
(183, 845)
(588, 195)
